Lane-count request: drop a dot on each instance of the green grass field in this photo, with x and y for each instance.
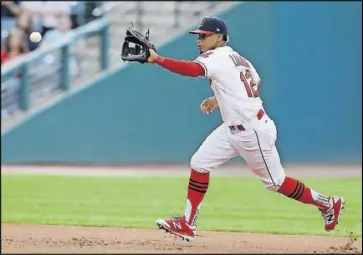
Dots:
(231, 204)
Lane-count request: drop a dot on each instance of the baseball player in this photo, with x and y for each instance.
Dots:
(247, 130)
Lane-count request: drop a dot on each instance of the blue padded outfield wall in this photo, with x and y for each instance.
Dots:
(308, 54)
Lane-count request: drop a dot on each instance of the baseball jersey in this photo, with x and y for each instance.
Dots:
(235, 83)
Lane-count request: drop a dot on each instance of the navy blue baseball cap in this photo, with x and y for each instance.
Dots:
(211, 25)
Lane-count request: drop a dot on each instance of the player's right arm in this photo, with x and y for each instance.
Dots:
(208, 105)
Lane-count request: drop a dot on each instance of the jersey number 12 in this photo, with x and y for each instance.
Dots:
(251, 87)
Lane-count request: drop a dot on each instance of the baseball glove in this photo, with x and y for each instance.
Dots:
(140, 52)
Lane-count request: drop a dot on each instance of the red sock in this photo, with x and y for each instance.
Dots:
(198, 186)
(297, 190)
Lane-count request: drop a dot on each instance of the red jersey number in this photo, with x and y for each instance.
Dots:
(252, 88)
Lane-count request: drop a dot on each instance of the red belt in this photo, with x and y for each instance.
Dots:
(241, 128)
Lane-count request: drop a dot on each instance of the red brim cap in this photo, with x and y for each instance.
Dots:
(201, 32)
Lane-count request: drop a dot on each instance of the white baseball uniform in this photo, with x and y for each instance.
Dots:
(247, 130)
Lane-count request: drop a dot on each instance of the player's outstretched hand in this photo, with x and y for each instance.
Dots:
(208, 105)
(153, 56)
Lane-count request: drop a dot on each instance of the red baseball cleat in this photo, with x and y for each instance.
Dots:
(332, 215)
(177, 226)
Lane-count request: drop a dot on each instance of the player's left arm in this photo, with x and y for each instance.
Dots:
(182, 67)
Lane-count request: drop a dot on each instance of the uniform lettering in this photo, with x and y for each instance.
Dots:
(239, 61)
(251, 87)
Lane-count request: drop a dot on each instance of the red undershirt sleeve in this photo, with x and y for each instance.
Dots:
(182, 67)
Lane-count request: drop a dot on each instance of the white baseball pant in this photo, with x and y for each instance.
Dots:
(255, 145)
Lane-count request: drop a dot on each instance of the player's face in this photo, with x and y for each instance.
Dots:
(206, 42)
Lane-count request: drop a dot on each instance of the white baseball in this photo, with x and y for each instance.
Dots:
(35, 37)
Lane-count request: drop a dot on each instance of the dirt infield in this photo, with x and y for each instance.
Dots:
(62, 239)
(23, 238)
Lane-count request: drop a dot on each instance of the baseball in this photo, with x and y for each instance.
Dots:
(35, 37)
